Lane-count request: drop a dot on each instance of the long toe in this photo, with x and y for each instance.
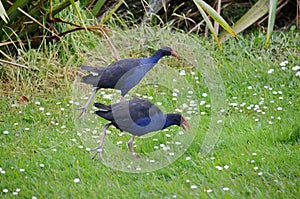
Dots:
(95, 155)
(98, 151)
(95, 149)
(81, 108)
(82, 115)
(135, 156)
(83, 112)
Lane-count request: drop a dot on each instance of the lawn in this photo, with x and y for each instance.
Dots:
(242, 105)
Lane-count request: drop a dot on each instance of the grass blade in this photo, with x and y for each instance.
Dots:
(3, 14)
(256, 12)
(12, 63)
(36, 21)
(209, 24)
(97, 7)
(213, 14)
(107, 15)
(77, 11)
(271, 21)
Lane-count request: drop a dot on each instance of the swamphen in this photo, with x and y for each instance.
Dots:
(137, 117)
(122, 75)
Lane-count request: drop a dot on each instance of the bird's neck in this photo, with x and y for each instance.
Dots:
(156, 57)
(170, 120)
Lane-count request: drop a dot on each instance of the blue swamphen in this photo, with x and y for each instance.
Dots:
(137, 117)
(122, 75)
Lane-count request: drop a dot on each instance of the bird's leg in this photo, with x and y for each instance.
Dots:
(85, 107)
(99, 148)
(129, 143)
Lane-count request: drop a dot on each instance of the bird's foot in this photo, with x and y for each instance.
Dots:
(83, 112)
(135, 156)
(98, 152)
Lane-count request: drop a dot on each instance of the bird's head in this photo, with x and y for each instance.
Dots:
(167, 51)
(177, 119)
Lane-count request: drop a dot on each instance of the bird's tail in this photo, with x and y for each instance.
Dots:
(102, 107)
(104, 111)
(98, 69)
(91, 79)
(95, 75)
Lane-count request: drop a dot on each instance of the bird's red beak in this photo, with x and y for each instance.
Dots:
(184, 124)
(173, 53)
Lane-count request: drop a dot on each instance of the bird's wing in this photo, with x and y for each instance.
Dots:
(138, 116)
(125, 64)
(141, 108)
(130, 111)
(118, 69)
(114, 72)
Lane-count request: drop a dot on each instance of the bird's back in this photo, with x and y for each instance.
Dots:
(114, 72)
(137, 116)
(122, 75)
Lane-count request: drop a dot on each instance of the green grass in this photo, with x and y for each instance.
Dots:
(258, 149)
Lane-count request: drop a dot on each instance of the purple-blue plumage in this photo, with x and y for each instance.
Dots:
(124, 74)
(138, 116)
